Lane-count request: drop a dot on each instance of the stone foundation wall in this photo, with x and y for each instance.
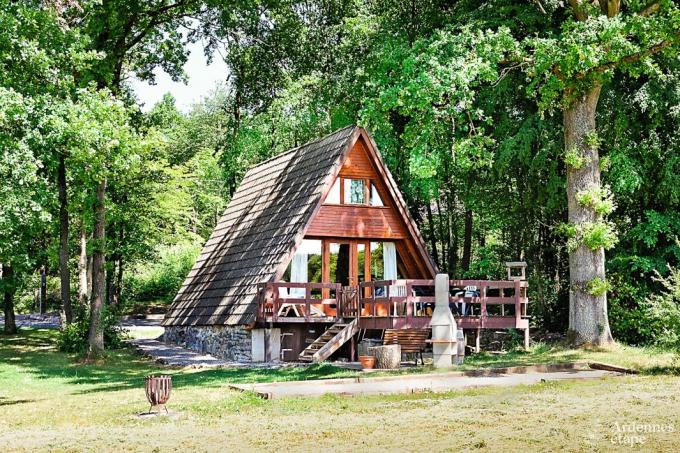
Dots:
(233, 343)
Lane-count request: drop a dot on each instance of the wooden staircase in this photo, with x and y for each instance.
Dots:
(330, 341)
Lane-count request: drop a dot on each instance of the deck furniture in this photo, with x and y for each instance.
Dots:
(396, 306)
(412, 341)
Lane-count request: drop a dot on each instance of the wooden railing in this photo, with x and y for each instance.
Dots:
(397, 303)
(271, 301)
(407, 302)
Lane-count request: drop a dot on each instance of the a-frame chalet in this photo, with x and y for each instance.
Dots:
(307, 257)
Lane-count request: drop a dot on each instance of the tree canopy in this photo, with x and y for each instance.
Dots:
(545, 131)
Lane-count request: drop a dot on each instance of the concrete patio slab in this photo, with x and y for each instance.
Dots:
(439, 382)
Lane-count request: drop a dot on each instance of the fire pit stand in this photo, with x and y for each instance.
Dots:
(157, 390)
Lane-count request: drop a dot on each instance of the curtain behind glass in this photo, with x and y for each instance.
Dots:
(390, 268)
(298, 274)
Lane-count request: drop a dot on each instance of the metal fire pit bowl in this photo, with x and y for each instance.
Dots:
(157, 390)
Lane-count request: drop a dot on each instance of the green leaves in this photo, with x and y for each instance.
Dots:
(23, 186)
(589, 51)
(590, 234)
(574, 159)
(598, 198)
(598, 287)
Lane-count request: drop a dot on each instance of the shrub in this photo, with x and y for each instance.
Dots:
(162, 278)
(73, 338)
(626, 313)
(663, 311)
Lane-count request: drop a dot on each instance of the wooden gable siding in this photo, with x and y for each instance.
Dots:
(357, 164)
(360, 221)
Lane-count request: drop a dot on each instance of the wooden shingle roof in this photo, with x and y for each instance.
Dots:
(259, 230)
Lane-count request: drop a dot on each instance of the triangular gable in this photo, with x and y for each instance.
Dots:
(363, 161)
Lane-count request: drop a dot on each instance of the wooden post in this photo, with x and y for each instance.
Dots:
(367, 264)
(483, 313)
(326, 267)
(389, 302)
(352, 349)
(478, 335)
(275, 305)
(518, 301)
(308, 296)
(526, 339)
(409, 302)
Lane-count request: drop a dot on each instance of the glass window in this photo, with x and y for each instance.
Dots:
(361, 260)
(339, 263)
(375, 196)
(334, 195)
(355, 192)
(309, 251)
(376, 261)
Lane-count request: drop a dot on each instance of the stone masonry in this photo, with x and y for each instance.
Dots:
(232, 343)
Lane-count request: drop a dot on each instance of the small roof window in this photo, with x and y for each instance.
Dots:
(355, 192)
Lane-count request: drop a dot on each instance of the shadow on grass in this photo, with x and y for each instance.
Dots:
(6, 402)
(537, 356)
(34, 351)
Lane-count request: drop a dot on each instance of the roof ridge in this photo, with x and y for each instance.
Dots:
(311, 142)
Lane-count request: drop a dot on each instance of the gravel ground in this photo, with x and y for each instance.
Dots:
(36, 320)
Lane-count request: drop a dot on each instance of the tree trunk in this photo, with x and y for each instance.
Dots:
(65, 277)
(118, 285)
(9, 289)
(442, 237)
(588, 320)
(96, 334)
(467, 241)
(387, 357)
(109, 272)
(89, 276)
(82, 266)
(433, 233)
(43, 290)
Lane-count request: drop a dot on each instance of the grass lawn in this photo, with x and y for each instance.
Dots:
(49, 402)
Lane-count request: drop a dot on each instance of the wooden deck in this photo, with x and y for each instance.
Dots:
(397, 304)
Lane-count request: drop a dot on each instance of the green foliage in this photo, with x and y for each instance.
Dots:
(73, 337)
(574, 159)
(593, 140)
(162, 278)
(488, 264)
(605, 163)
(599, 234)
(598, 198)
(662, 311)
(598, 287)
(593, 235)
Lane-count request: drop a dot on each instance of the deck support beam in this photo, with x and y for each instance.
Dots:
(526, 339)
